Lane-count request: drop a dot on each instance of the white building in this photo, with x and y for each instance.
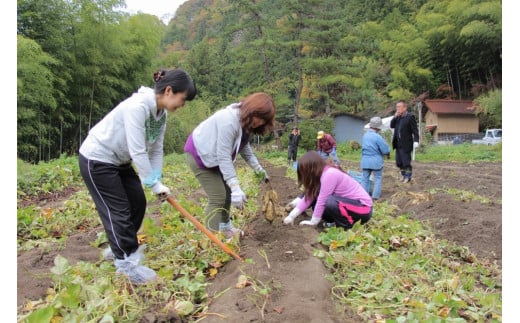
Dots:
(386, 123)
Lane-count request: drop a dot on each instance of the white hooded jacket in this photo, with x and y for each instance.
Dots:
(132, 132)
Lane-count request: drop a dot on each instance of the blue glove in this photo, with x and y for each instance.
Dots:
(154, 177)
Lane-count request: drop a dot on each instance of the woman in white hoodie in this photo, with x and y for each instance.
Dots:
(212, 148)
(132, 132)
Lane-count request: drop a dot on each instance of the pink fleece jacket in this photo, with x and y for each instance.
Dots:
(336, 182)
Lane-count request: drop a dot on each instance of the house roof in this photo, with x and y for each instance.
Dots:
(450, 106)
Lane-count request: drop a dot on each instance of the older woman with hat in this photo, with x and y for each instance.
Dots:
(373, 148)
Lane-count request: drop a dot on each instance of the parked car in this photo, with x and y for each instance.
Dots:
(492, 137)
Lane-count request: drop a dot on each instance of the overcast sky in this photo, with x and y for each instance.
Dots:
(164, 9)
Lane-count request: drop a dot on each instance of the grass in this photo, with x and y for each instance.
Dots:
(464, 153)
(46, 177)
(390, 270)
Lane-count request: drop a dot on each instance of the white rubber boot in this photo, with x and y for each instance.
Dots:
(132, 267)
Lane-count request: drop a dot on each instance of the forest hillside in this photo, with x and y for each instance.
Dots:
(78, 59)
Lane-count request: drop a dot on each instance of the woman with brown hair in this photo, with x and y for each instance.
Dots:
(212, 148)
(335, 197)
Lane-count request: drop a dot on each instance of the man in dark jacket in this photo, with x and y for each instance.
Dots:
(292, 150)
(405, 139)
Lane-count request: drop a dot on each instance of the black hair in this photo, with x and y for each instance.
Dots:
(177, 79)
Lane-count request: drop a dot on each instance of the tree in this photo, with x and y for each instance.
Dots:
(35, 99)
(465, 38)
(489, 109)
(99, 57)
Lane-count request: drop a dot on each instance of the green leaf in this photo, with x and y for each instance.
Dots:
(107, 319)
(70, 296)
(61, 265)
(183, 308)
(42, 315)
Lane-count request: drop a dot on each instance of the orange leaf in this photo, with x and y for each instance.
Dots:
(333, 244)
(141, 238)
(47, 213)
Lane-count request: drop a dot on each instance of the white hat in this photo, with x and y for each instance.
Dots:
(376, 123)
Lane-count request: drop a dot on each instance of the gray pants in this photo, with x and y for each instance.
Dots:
(219, 194)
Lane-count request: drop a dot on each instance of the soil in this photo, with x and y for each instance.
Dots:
(281, 257)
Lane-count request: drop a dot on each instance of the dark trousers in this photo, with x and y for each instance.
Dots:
(403, 161)
(292, 153)
(120, 201)
(345, 212)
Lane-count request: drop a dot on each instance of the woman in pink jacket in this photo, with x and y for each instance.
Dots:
(335, 197)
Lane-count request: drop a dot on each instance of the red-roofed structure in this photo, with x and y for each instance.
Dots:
(446, 118)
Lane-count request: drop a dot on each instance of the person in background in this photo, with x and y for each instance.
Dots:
(457, 140)
(373, 148)
(404, 140)
(292, 150)
(212, 148)
(133, 132)
(327, 146)
(335, 197)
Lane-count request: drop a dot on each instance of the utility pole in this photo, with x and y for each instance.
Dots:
(419, 110)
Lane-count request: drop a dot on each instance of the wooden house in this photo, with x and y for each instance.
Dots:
(445, 119)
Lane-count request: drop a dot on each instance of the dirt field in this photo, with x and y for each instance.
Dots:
(283, 255)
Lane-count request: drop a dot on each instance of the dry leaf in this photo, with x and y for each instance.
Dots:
(278, 309)
(141, 238)
(213, 272)
(242, 282)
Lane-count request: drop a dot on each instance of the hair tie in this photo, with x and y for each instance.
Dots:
(157, 76)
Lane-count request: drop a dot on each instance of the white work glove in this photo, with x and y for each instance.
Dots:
(415, 144)
(238, 197)
(160, 190)
(295, 202)
(261, 173)
(313, 221)
(290, 218)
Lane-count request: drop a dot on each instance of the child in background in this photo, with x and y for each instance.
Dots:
(373, 148)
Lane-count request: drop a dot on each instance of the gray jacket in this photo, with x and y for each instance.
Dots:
(218, 137)
(132, 132)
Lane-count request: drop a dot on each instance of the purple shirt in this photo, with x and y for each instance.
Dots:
(189, 148)
(336, 182)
